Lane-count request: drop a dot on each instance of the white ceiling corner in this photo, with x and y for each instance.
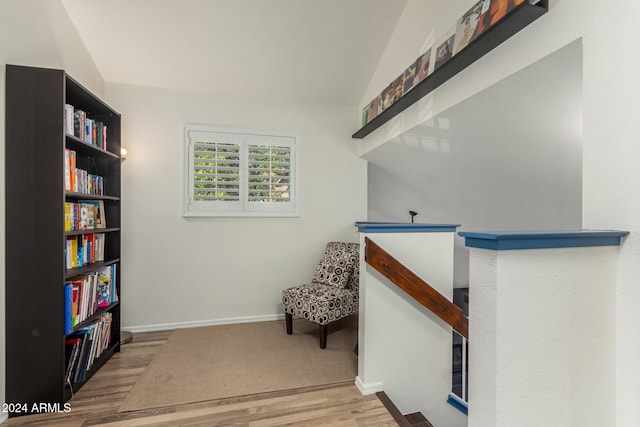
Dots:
(307, 50)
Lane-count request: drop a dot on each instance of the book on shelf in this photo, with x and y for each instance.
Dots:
(86, 345)
(72, 350)
(85, 337)
(88, 183)
(79, 118)
(105, 290)
(84, 249)
(72, 171)
(86, 293)
(89, 130)
(68, 216)
(71, 252)
(68, 119)
(67, 170)
(78, 180)
(68, 307)
(96, 212)
(113, 283)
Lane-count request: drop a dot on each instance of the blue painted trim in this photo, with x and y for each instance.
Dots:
(506, 240)
(458, 403)
(400, 227)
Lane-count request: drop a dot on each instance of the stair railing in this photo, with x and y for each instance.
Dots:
(429, 298)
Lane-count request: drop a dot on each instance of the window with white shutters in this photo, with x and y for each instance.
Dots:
(239, 173)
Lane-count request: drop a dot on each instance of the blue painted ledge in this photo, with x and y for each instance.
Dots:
(458, 403)
(403, 227)
(506, 240)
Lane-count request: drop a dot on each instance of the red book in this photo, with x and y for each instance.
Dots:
(75, 298)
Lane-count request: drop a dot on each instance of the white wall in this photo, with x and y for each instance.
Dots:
(525, 160)
(542, 337)
(611, 172)
(35, 33)
(178, 271)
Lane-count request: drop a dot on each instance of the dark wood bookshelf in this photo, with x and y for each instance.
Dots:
(518, 18)
(35, 272)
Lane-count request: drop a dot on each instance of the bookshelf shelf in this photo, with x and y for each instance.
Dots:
(37, 179)
(90, 196)
(91, 231)
(81, 146)
(89, 268)
(99, 312)
(104, 357)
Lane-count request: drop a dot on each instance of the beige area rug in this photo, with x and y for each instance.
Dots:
(217, 362)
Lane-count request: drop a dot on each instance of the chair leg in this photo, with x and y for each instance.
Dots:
(288, 318)
(323, 336)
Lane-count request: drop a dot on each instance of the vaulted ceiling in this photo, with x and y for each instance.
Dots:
(321, 51)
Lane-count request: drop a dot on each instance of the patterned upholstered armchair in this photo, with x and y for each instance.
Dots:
(332, 293)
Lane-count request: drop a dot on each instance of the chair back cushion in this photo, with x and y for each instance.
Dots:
(354, 281)
(337, 264)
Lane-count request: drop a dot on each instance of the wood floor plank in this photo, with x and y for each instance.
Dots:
(97, 403)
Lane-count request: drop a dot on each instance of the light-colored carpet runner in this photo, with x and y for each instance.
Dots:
(225, 361)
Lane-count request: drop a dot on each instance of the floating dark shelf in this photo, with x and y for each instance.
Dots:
(516, 20)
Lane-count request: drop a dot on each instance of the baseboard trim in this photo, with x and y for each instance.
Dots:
(369, 388)
(201, 323)
(3, 417)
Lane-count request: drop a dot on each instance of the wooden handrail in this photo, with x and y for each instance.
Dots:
(417, 288)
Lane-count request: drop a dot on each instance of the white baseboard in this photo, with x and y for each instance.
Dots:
(3, 417)
(201, 323)
(369, 388)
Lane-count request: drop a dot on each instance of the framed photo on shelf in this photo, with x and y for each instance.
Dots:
(393, 92)
(467, 27)
(365, 114)
(100, 220)
(409, 77)
(374, 108)
(444, 48)
(423, 66)
(495, 11)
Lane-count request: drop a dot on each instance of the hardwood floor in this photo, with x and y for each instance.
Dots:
(97, 403)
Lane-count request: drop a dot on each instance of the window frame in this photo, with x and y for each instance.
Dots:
(243, 138)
